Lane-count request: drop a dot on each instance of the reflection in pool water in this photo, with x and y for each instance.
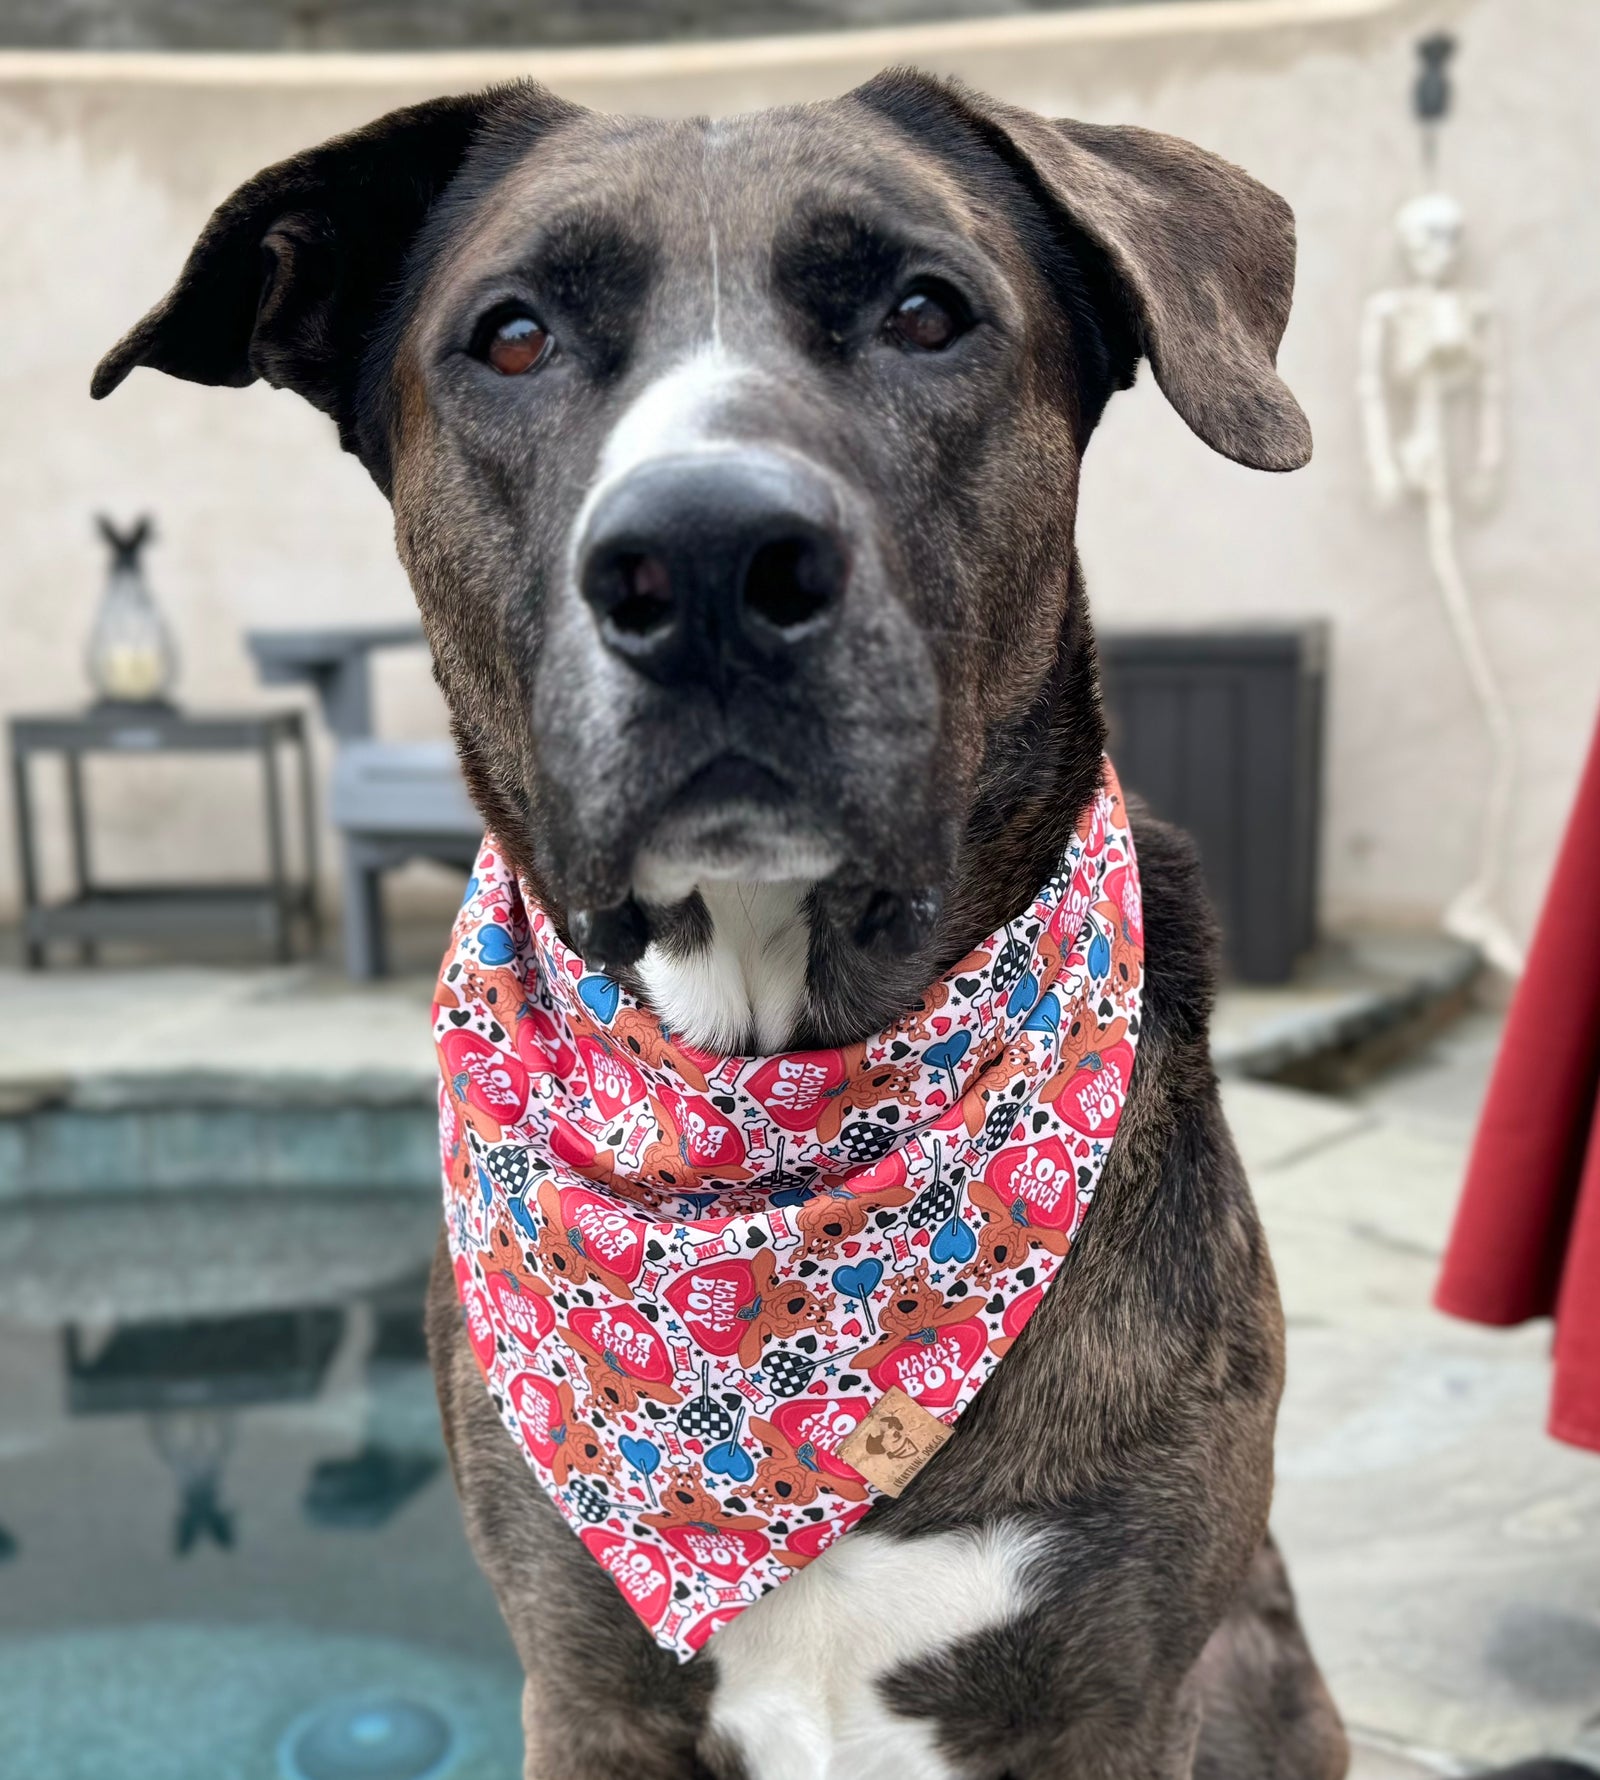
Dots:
(230, 1549)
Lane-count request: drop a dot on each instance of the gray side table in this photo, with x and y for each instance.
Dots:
(97, 911)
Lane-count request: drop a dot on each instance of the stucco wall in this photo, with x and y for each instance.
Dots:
(109, 166)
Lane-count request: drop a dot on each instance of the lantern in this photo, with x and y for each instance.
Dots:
(131, 655)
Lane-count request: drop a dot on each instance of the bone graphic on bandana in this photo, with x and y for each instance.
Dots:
(756, 1395)
(725, 1242)
(780, 1227)
(719, 1265)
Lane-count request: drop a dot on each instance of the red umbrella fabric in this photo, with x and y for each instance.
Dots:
(1526, 1241)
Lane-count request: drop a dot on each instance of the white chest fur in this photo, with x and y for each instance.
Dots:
(798, 1690)
(749, 980)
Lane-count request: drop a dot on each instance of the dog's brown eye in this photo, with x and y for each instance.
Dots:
(927, 321)
(514, 344)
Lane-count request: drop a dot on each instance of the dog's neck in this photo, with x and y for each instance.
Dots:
(762, 968)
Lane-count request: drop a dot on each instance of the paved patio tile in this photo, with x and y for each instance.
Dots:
(1445, 1550)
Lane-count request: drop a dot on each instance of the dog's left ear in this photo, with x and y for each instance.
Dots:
(291, 278)
(1203, 253)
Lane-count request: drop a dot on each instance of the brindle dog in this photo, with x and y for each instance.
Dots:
(735, 467)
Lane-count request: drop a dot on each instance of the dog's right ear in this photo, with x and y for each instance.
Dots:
(290, 278)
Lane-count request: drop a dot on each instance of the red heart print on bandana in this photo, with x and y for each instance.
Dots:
(636, 1568)
(613, 1080)
(525, 1315)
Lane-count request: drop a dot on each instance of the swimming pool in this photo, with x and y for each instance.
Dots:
(229, 1548)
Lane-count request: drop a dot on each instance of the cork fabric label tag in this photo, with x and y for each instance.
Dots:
(893, 1442)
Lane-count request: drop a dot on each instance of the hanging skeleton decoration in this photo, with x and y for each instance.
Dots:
(1430, 353)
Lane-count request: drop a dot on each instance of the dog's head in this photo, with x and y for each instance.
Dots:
(735, 468)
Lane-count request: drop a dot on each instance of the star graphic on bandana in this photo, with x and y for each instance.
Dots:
(673, 1326)
(756, 1377)
(830, 1371)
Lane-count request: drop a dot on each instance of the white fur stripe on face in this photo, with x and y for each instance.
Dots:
(676, 415)
(797, 1674)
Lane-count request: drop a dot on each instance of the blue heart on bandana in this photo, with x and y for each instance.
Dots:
(470, 891)
(1046, 1017)
(953, 1241)
(948, 1054)
(494, 945)
(729, 1459)
(1022, 997)
(1099, 955)
(600, 995)
(643, 1455)
(860, 1281)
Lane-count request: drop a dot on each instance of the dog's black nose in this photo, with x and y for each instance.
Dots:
(693, 565)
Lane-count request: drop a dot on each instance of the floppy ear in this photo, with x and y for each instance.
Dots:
(290, 279)
(1203, 254)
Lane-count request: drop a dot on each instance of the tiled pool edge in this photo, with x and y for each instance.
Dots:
(360, 1112)
(257, 1140)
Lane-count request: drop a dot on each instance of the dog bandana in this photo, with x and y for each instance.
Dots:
(689, 1279)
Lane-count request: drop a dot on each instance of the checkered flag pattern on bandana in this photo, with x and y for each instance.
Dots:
(787, 1372)
(703, 1417)
(508, 1167)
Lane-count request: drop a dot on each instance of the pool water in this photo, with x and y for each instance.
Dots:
(229, 1547)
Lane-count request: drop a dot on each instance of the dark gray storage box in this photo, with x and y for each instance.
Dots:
(1221, 732)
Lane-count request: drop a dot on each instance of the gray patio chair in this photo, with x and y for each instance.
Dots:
(391, 801)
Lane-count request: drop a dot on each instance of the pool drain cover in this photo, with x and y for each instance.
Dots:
(368, 1739)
